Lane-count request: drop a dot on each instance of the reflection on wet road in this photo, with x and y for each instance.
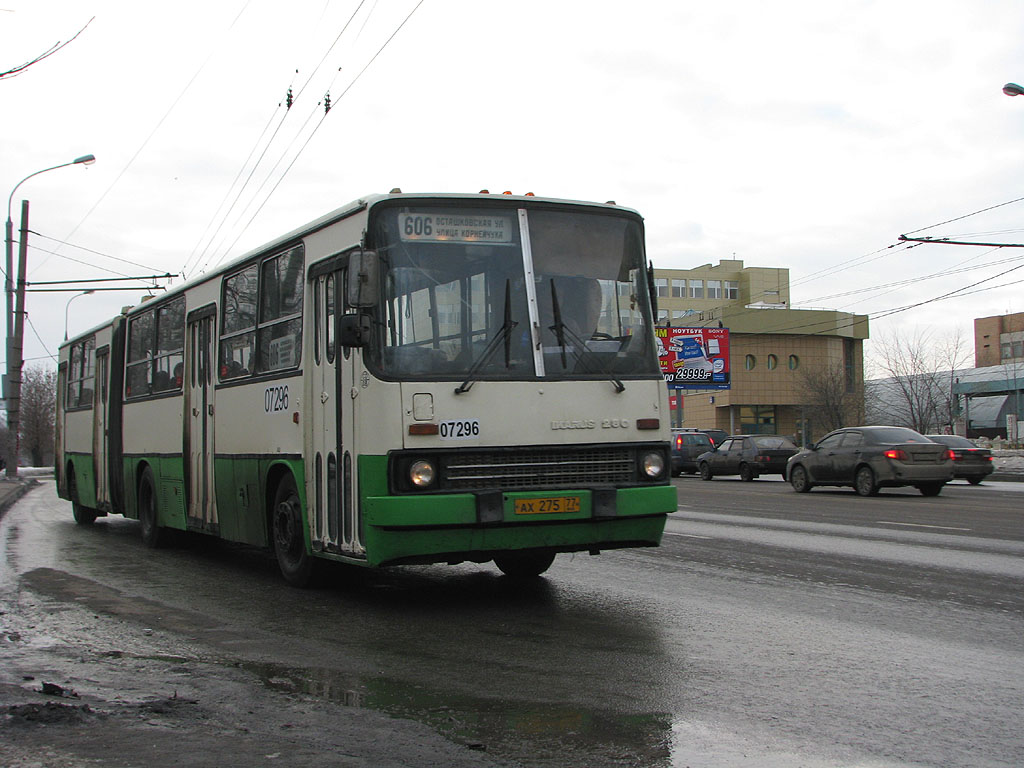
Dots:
(742, 641)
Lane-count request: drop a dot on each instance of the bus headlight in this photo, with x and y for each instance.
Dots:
(653, 464)
(421, 473)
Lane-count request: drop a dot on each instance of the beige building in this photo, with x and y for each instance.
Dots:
(998, 340)
(772, 348)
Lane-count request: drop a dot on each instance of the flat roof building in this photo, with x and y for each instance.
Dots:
(776, 353)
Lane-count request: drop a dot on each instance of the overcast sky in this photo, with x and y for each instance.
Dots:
(801, 134)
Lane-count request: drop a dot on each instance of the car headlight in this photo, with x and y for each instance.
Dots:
(653, 464)
(421, 473)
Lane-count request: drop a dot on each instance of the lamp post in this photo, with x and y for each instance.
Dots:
(68, 306)
(15, 329)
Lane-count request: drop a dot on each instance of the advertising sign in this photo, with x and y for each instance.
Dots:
(694, 358)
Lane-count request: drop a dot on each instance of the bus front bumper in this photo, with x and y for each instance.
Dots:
(476, 526)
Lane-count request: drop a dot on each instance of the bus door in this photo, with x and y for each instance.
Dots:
(332, 513)
(99, 427)
(202, 507)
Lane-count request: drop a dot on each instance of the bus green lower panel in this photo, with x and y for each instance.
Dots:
(442, 528)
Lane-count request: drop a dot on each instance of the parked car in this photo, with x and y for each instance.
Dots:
(715, 435)
(869, 458)
(970, 462)
(747, 456)
(686, 447)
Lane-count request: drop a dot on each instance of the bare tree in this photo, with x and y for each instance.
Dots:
(916, 372)
(829, 399)
(38, 403)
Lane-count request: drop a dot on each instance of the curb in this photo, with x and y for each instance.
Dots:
(12, 491)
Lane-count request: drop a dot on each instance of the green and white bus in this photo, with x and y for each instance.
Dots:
(409, 379)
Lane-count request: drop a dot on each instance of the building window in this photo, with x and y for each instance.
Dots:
(732, 289)
(714, 289)
(696, 289)
(794, 362)
(758, 419)
(773, 361)
(661, 287)
(678, 289)
(849, 365)
(749, 362)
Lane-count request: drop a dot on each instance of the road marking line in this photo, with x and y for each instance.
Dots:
(687, 535)
(922, 525)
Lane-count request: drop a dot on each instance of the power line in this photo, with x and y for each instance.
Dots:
(317, 127)
(90, 250)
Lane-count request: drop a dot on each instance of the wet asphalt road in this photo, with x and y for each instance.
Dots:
(770, 629)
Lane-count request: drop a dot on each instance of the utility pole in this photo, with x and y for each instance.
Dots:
(16, 315)
(15, 353)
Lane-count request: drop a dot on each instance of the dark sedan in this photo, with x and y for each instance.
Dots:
(970, 462)
(686, 447)
(869, 458)
(747, 456)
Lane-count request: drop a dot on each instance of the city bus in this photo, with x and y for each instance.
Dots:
(409, 379)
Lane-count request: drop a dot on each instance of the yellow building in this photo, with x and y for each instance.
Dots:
(781, 359)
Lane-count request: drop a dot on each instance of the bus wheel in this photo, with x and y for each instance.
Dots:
(83, 515)
(289, 542)
(524, 565)
(153, 534)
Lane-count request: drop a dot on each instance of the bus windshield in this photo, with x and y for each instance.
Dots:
(465, 297)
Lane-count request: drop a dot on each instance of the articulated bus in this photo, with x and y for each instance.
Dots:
(409, 379)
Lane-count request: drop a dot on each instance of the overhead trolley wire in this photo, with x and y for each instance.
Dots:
(291, 100)
(156, 128)
(321, 121)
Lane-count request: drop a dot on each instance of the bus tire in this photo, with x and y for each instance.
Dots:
(289, 541)
(524, 565)
(83, 515)
(153, 534)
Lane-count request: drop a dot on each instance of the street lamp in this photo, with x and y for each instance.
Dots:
(12, 381)
(9, 240)
(68, 306)
(1012, 89)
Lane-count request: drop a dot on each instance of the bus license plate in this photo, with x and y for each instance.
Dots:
(547, 505)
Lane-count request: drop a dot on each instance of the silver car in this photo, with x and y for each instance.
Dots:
(869, 458)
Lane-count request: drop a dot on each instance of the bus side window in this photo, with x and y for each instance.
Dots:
(139, 371)
(238, 323)
(279, 328)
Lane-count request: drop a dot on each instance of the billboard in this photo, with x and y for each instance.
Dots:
(694, 358)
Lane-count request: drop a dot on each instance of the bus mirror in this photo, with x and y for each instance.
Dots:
(363, 278)
(354, 330)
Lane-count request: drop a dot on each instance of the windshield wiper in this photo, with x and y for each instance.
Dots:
(504, 334)
(561, 330)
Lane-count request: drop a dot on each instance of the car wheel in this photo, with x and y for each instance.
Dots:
(799, 480)
(705, 471)
(746, 473)
(864, 482)
(930, 489)
(975, 479)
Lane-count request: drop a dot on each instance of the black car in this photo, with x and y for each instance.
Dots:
(686, 447)
(970, 462)
(747, 456)
(869, 458)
